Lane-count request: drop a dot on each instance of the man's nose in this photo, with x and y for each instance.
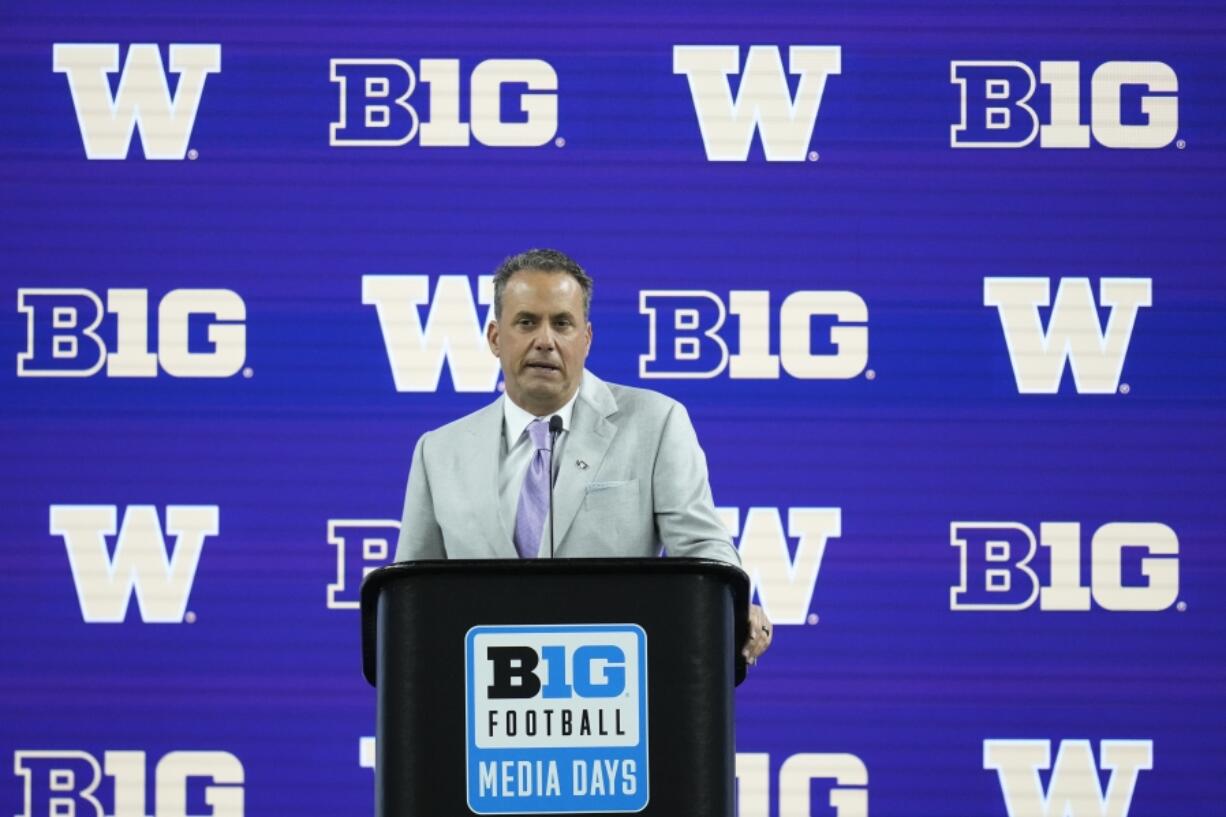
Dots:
(544, 338)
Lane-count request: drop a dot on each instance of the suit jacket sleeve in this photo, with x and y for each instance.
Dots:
(420, 535)
(685, 516)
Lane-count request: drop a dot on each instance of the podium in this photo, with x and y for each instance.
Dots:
(563, 686)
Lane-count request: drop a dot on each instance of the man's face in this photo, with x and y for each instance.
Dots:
(542, 339)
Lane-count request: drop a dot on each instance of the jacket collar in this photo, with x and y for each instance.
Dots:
(590, 434)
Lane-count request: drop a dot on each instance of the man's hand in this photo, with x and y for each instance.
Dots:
(759, 635)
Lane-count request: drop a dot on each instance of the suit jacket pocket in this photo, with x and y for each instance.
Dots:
(612, 521)
(612, 497)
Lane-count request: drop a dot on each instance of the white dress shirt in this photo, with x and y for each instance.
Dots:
(516, 453)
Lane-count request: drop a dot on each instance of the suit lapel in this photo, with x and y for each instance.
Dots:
(481, 469)
(589, 439)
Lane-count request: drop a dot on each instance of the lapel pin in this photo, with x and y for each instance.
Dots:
(582, 465)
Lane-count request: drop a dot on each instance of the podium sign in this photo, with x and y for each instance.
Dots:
(557, 718)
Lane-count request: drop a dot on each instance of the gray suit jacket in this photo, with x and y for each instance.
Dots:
(645, 485)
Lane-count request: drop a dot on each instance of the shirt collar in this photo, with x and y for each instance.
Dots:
(515, 420)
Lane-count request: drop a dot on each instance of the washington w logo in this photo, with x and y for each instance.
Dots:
(784, 583)
(1073, 329)
(105, 582)
(764, 102)
(451, 332)
(1074, 789)
(142, 101)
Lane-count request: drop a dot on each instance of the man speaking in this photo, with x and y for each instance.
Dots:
(629, 477)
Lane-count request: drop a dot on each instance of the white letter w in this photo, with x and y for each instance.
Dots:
(140, 562)
(1073, 330)
(142, 100)
(763, 101)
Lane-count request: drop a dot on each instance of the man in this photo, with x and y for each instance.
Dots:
(630, 476)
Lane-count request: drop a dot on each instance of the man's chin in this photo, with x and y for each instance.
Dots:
(545, 393)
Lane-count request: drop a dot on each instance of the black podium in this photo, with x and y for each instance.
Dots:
(563, 686)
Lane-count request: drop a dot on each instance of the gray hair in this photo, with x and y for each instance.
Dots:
(542, 261)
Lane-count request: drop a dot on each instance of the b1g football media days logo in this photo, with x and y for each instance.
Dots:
(142, 102)
(556, 718)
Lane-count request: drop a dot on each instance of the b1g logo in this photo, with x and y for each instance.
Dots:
(764, 102)
(200, 333)
(805, 780)
(1134, 567)
(142, 102)
(67, 783)
(685, 341)
(375, 112)
(1074, 789)
(557, 718)
(1132, 105)
(361, 546)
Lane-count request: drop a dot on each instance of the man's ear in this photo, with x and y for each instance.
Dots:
(491, 336)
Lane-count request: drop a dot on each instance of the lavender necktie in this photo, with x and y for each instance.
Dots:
(534, 496)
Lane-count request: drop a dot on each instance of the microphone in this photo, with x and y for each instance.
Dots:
(555, 428)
